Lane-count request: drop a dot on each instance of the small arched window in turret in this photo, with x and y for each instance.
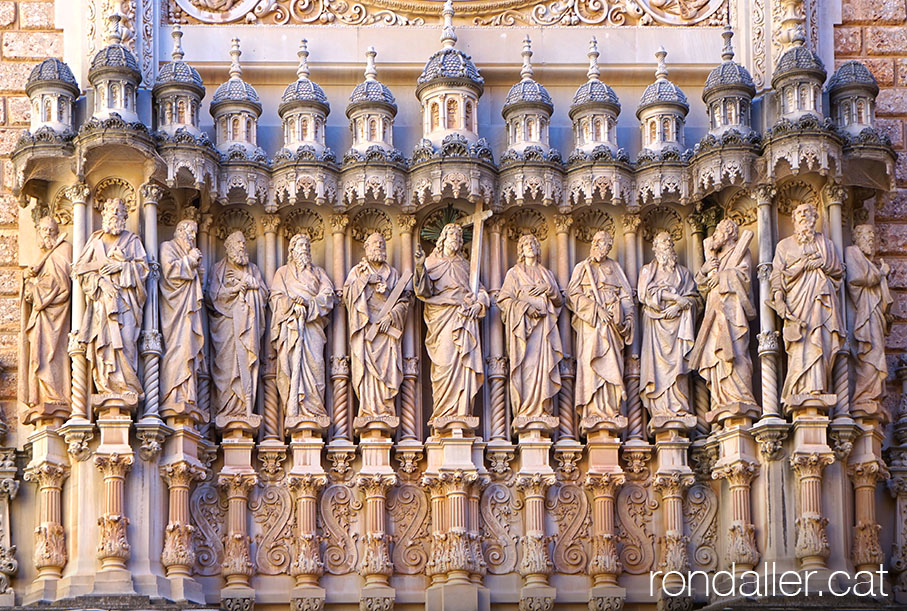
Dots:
(222, 128)
(744, 112)
(599, 135)
(789, 99)
(805, 98)
(452, 111)
(316, 134)
(61, 108)
(372, 130)
(731, 111)
(385, 130)
(291, 130)
(114, 95)
(181, 112)
(249, 130)
(861, 112)
(845, 113)
(47, 115)
(587, 131)
(653, 131)
(470, 117)
(129, 91)
(435, 116)
(667, 129)
(533, 128)
(234, 129)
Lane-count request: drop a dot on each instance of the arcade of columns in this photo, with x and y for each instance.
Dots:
(442, 381)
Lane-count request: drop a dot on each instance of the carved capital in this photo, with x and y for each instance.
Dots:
(78, 193)
(114, 543)
(696, 223)
(237, 485)
(151, 194)
(46, 475)
(562, 223)
(411, 366)
(763, 194)
(181, 474)
(375, 484)
(867, 474)
(339, 222)
(535, 484)
(340, 366)
(764, 271)
(742, 544)
(673, 483)
(114, 465)
(406, 222)
(50, 546)
(307, 485)
(834, 194)
(737, 474)
(631, 222)
(808, 466)
(497, 366)
(768, 343)
(270, 223)
(604, 484)
(151, 342)
(812, 539)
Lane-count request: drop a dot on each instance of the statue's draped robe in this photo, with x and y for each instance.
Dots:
(452, 341)
(599, 343)
(46, 379)
(533, 344)
(182, 328)
(666, 342)
(871, 300)
(814, 332)
(237, 324)
(112, 324)
(722, 352)
(297, 341)
(377, 365)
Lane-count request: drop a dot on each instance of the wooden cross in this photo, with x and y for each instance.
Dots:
(478, 224)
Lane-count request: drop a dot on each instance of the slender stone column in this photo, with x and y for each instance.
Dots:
(741, 544)
(604, 563)
(50, 541)
(812, 540)
(377, 567)
(178, 555)
(271, 433)
(340, 362)
(768, 337)
(834, 196)
(307, 566)
(674, 556)
(9, 486)
(411, 426)
(535, 564)
(866, 551)
(897, 486)
(497, 362)
(270, 224)
(113, 547)
(635, 413)
(237, 567)
(566, 407)
(697, 384)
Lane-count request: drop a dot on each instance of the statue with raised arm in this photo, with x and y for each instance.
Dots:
(722, 353)
(806, 277)
(452, 313)
(111, 270)
(530, 301)
(44, 383)
(376, 301)
(669, 299)
(302, 296)
(604, 318)
(237, 297)
(182, 301)
(867, 286)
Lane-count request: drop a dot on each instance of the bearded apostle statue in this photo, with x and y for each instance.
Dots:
(530, 301)
(867, 286)
(604, 318)
(44, 383)
(111, 270)
(182, 327)
(452, 314)
(376, 301)
(302, 296)
(806, 276)
(669, 299)
(237, 297)
(722, 352)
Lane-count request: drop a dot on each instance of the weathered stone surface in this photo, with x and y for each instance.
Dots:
(885, 40)
(10, 280)
(873, 11)
(9, 313)
(892, 101)
(892, 238)
(894, 208)
(895, 130)
(14, 75)
(9, 248)
(8, 139)
(36, 15)
(7, 14)
(900, 171)
(897, 339)
(19, 110)
(32, 45)
(848, 41)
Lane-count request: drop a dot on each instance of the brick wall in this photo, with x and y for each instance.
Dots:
(27, 35)
(875, 32)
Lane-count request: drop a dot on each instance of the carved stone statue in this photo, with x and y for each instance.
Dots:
(376, 300)
(530, 301)
(237, 297)
(867, 285)
(112, 269)
(604, 318)
(302, 296)
(44, 384)
(452, 313)
(181, 322)
(806, 276)
(722, 353)
(669, 298)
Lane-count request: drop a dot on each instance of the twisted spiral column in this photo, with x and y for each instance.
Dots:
(767, 337)
(152, 345)
(497, 362)
(409, 405)
(78, 195)
(409, 425)
(340, 362)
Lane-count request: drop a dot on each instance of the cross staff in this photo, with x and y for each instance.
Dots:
(478, 224)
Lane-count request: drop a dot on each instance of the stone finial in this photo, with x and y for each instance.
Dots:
(177, 34)
(235, 52)
(114, 32)
(448, 35)
(302, 72)
(727, 54)
(371, 72)
(526, 72)
(594, 73)
(661, 72)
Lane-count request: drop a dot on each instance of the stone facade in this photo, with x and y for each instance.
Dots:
(208, 443)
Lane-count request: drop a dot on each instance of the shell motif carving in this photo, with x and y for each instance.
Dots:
(700, 510)
(371, 220)
(338, 513)
(794, 193)
(235, 219)
(569, 505)
(661, 218)
(408, 508)
(741, 209)
(208, 512)
(60, 209)
(272, 510)
(111, 188)
(498, 519)
(526, 221)
(589, 222)
(303, 220)
(634, 517)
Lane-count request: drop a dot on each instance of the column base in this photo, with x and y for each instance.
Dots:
(537, 597)
(113, 581)
(675, 603)
(307, 598)
(377, 598)
(607, 598)
(152, 586)
(40, 591)
(75, 585)
(186, 589)
(457, 597)
(237, 598)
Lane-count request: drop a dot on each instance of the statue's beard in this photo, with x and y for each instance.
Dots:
(376, 258)
(599, 254)
(667, 260)
(239, 258)
(302, 261)
(114, 226)
(806, 235)
(48, 242)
